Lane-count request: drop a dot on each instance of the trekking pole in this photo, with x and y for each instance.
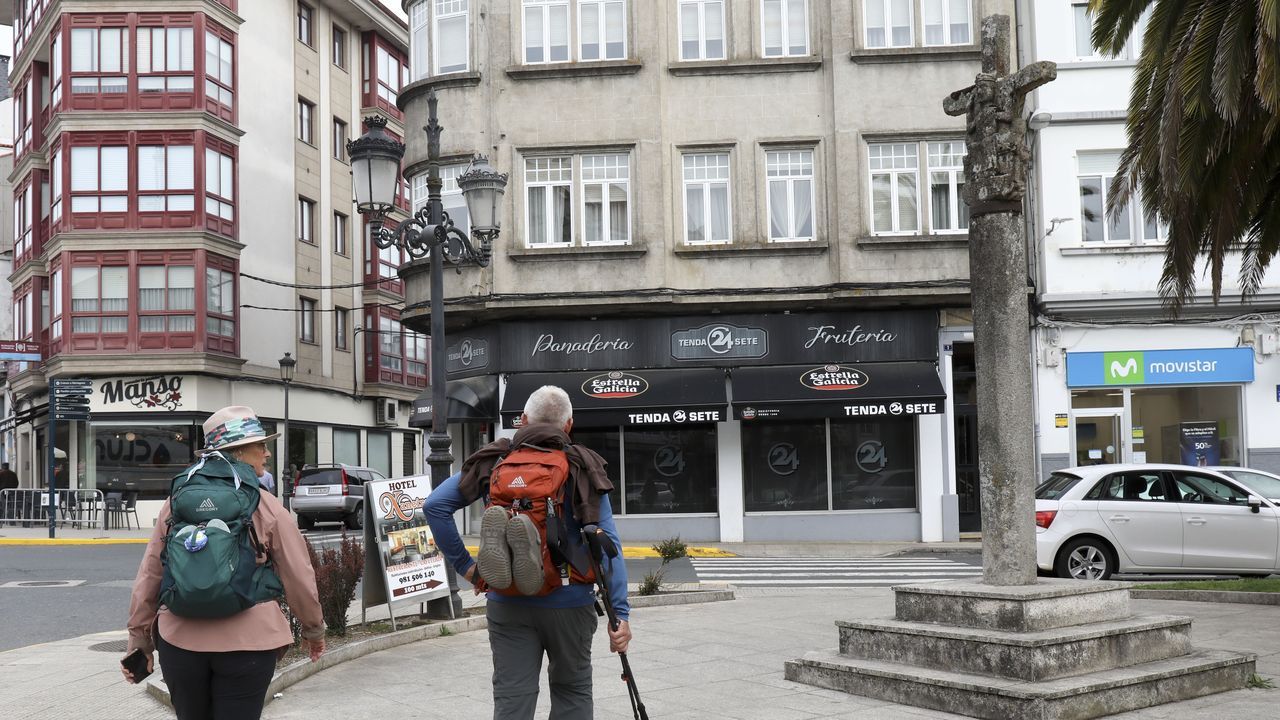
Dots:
(598, 545)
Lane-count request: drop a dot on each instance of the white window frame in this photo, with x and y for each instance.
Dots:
(100, 62)
(602, 25)
(438, 16)
(548, 200)
(893, 174)
(1136, 214)
(173, 164)
(165, 71)
(116, 194)
(55, 185)
(605, 183)
(946, 25)
(790, 180)
(702, 29)
(219, 196)
(219, 84)
(784, 7)
(704, 185)
(955, 179)
(544, 8)
(887, 6)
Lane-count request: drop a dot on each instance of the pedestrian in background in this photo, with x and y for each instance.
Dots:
(559, 619)
(268, 483)
(220, 668)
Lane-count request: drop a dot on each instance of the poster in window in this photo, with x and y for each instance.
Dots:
(1200, 443)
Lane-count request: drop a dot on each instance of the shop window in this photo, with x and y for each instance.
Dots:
(380, 452)
(99, 300)
(346, 446)
(702, 29)
(670, 471)
(784, 466)
(166, 299)
(706, 199)
(873, 464)
(303, 446)
(166, 178)
(1187, 425)
(607, 442)
(142, 458)
(785, 27)
(166, 59)
(790, 194)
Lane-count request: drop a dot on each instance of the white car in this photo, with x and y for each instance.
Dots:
(1264, 483)
(1096, 520)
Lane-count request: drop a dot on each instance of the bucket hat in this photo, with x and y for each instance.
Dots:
(231, 427)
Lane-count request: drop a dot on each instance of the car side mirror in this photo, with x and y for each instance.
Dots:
(1255, 504)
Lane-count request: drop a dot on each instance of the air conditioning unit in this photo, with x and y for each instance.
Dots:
(387, 412)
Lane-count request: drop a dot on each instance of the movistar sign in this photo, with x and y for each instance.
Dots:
(1160, 367)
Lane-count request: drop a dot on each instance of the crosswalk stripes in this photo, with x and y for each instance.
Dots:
(831, 572)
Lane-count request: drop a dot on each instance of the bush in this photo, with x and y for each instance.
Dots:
(652, 584)
(670, 549)
(295, 625)
(338, 571)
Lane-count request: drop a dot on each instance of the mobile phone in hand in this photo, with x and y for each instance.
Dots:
(136, 663)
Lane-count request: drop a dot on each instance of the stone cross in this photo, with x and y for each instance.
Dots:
(995, 169)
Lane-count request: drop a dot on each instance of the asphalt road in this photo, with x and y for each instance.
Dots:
(100, 602)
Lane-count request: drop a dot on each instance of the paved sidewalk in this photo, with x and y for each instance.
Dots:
(710, 661)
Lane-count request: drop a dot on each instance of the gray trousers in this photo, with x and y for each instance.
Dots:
(519, 636)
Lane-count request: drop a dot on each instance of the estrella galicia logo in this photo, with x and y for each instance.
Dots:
(834, 377)
(1124, 368)
(748, 413)
(719, 341)
(615, 385)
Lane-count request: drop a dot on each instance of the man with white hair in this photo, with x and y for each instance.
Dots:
(535, 609)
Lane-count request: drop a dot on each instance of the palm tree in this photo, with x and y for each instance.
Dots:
(1203, 150)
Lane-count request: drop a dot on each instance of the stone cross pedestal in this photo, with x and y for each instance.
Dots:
(1013, 647)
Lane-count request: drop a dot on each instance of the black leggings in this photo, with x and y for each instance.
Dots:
(216, 685)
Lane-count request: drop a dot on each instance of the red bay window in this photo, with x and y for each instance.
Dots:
(384, 71)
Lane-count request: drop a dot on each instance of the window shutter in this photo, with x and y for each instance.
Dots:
(187, 50)
(1100, 162)
(228, 187)
(110, 50)
(144, 50)
(83, 50)
(115, 283)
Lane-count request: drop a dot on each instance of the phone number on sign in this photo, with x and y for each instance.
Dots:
(416, 577)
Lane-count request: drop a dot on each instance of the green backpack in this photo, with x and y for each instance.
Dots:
(210, 547)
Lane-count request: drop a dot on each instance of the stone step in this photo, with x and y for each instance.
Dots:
(1042, 655)
(1050, 603)
(1094, 695)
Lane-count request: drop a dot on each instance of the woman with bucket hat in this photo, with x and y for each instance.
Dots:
(220, 667)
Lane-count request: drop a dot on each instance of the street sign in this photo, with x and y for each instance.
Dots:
(71, 416)
(71, 403)
(61, 383)
(72, 392)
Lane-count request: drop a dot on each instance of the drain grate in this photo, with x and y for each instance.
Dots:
(42, 583)
(111, 646)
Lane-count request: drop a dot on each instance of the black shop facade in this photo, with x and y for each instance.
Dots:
(744, 427)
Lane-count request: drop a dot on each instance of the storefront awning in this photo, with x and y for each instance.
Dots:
(473, 399)
(633, 397)
(836, 391)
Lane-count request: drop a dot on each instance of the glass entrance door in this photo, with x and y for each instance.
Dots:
(1097, 439)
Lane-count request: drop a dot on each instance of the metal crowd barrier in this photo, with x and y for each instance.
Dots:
(30, 506)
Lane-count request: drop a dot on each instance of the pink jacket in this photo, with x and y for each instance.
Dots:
(261, 627)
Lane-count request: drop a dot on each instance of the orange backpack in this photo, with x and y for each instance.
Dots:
(533, 481)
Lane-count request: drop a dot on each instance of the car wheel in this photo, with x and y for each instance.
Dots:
(1086, 559)
(355, 520)
(306, 522)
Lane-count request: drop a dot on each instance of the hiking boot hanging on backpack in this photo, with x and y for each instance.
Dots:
(524, 543)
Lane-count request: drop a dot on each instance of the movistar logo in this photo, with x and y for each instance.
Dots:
(1123, 368)
(207, 506)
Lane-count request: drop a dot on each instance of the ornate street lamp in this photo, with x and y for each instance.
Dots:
(285, 481)
(375, 165)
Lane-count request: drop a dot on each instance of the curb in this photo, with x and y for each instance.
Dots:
(73, 541)
(1214, 596)
(639, 552)
(303, 669)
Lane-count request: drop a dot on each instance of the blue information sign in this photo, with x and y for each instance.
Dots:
(1160, 367)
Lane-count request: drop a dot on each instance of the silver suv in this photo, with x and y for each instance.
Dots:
(332, 492)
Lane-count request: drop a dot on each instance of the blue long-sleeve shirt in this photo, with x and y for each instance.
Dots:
(446, 499)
